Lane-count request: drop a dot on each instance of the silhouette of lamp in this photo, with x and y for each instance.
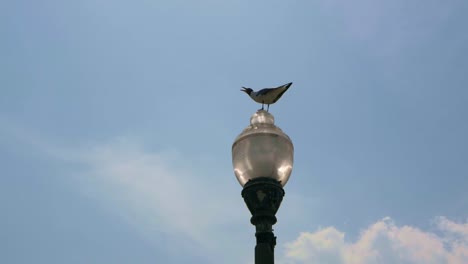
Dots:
(262, 157)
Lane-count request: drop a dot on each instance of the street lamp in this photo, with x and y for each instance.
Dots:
(262, 157)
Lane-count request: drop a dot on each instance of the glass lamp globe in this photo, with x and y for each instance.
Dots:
(262, 150)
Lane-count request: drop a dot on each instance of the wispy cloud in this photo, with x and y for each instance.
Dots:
(381, 243)
(163, 193)
(156, 192)
(157, 187)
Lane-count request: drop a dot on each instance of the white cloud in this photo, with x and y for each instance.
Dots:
(446, 225)
(382, 243)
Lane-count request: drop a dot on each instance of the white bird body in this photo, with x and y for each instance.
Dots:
(268, 95)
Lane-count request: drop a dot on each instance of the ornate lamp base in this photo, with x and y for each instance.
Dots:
(263, 197)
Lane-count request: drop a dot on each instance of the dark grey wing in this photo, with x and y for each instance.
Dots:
(284, 88)
(279, 95)
(265, 91)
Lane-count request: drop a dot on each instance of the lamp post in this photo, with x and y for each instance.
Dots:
(262, 157)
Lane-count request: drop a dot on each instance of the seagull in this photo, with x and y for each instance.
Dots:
(267, 95)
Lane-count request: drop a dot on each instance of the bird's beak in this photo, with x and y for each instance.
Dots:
(243, 89)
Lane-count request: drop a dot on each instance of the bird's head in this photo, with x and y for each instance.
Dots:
(247, 90)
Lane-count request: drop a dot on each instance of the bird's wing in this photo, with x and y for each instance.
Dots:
(285, 86)
(265, 91)
(282, 89)
(279, 95)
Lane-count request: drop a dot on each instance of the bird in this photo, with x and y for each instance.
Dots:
(267, 96)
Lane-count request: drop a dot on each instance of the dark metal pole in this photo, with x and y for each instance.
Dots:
(263, 197)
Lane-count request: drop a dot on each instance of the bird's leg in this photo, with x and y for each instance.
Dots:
(262, 105)
(268, 107)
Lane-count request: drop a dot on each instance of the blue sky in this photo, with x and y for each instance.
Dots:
(117, 119)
